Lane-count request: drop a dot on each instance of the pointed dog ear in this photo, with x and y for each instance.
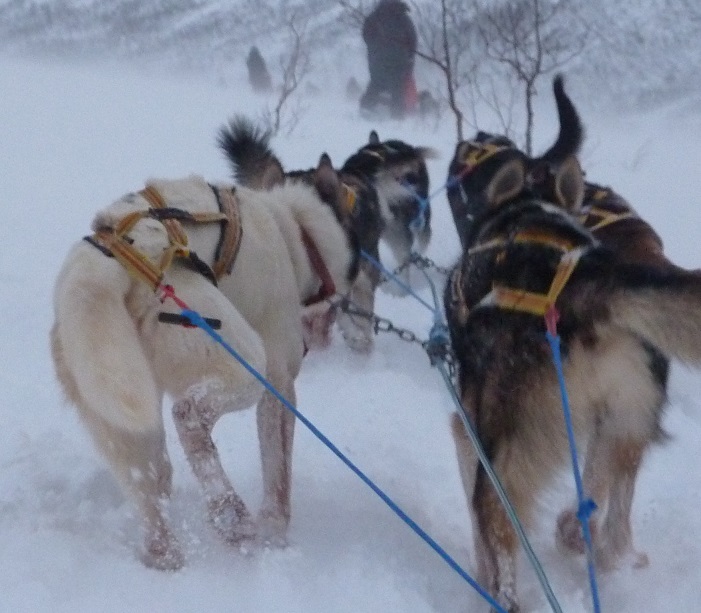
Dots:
(273, 175)
(507, 183)
(374, 139)
(462, 150)
(569, 184)
(326, 180)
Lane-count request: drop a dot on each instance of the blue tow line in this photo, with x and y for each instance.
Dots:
(586, 506)
(197, 320)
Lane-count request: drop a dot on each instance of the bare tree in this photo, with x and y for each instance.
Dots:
(531, 38)
(294, 65)
(354, 12)
(445, 43)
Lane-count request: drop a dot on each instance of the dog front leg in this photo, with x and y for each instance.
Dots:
(357, 328)
(276, 433)
(399, 239)
(194, 421)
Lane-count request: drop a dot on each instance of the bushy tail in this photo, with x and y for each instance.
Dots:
(663, 308)
(95, 345)
(571, 135)
(247, 148)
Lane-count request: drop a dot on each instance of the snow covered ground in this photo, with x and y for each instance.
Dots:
(73, 139)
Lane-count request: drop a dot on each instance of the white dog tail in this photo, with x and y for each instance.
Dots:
(665, 309)
(96, 349)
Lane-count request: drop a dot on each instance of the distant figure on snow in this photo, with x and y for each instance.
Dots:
(390, 37)
(353, 89)
(258, 75)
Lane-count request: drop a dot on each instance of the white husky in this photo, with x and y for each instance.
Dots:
(116, 360)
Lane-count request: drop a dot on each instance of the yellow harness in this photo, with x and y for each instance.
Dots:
(605, 217)
(350, 198)
(518, 299)
(115, 242)
(478, 153)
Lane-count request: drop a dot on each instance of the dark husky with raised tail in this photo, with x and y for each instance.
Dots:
(529, 256)
(611, 219)
(355, 201)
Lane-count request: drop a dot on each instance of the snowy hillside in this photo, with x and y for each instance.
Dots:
(643, 50)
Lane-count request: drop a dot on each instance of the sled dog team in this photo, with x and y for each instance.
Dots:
(271, 261)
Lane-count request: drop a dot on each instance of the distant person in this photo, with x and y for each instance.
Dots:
(258, 75)
(353, 89)
(390, 37)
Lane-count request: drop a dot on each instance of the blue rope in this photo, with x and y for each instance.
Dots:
(586, 505)
(197, 320)
(419, 222)
(396, 279)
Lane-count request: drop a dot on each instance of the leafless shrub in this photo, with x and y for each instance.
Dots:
(530, 39)
(295, 66)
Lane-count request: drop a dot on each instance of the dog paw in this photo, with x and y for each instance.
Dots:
(609, 558)
(162, 552)
(272, 530)
(569, 536)
(231, 519)
(361, 343)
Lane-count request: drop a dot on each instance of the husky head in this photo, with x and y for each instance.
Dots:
(477, 160)
(398, 171)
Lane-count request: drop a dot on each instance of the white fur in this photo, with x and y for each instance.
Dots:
(115, 360)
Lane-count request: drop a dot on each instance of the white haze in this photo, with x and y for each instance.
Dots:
(75, 138)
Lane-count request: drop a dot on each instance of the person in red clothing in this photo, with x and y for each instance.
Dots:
(390, 38)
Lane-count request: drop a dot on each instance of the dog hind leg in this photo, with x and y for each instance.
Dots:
(468, 463)
(616, 540)
(206, 382)
(141, 465)
(276, 434)
(595, 482)
(195, 416)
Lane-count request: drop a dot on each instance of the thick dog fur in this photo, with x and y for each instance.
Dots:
(617, 320)
(375, 196)
(611, 219)
(115, 360)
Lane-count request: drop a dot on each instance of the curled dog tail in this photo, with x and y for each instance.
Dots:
(247, 148)
(96, 350)
(663, 308)
(571, 135)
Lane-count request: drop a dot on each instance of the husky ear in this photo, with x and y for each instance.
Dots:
(374, 139)
(461, 151)
(272, 176)
(569, 184)
(507, 183)
(326, 180)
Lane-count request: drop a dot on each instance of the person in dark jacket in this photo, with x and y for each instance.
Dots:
(258, 75)
(390, 37)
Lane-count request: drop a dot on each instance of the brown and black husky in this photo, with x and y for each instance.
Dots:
(611, 219)
(617, 319)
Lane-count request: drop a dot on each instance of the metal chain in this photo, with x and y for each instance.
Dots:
(436, 350)
(419, 261)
